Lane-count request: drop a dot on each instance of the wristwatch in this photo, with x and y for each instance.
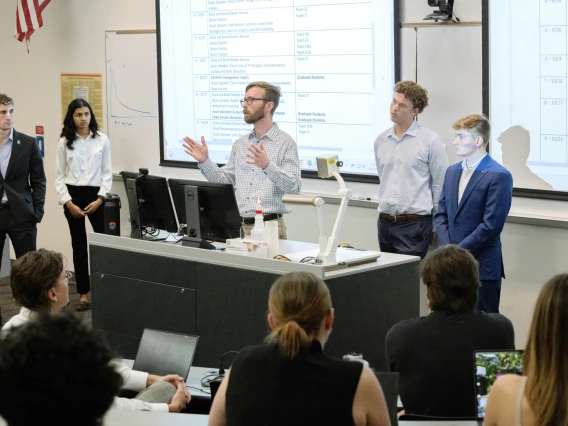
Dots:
(101, 197)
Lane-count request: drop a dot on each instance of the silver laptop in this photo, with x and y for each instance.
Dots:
(488, 366)
(164, 352)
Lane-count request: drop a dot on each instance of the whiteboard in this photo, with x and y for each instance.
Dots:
(132, 99)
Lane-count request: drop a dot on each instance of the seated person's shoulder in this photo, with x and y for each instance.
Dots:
(406, 328)
(497, 320)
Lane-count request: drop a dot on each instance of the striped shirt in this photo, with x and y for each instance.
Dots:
(282, 176)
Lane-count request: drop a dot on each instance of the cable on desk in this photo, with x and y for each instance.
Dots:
(199, 389)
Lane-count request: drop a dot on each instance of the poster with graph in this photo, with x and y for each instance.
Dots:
(132, 98)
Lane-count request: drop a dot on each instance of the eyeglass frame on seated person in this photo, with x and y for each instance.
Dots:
(250, 100)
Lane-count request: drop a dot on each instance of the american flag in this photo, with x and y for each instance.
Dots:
(28, 17)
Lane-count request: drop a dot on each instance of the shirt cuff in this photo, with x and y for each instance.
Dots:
(207, 166)
(271, 170)
(64, 199)
(137, 380)
(160, 407)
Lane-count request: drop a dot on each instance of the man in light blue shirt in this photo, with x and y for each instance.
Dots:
(411, 162)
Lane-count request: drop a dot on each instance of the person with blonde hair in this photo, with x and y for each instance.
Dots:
(411, 161)
(264, 162)
(475, 201)
(290, 380)
(540, 396)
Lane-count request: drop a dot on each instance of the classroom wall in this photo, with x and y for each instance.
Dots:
(73, 41)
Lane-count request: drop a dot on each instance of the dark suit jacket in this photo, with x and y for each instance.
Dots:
(24, 182)
(476, 223)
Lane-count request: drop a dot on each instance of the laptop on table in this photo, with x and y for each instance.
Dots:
(164, 352)
(488, 367)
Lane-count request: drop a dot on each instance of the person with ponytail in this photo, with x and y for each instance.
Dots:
(83, 177)
(290, 380)
(540, 396)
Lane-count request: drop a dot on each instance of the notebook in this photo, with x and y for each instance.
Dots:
(488, 366)
(164, 352)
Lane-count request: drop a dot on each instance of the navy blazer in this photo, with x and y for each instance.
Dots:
(476, 223)
(24, 182)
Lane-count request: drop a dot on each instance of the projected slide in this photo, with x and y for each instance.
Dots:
(333, 60)
(529, 90)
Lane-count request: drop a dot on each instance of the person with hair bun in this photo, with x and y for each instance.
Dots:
(290, 380)
(540, 396)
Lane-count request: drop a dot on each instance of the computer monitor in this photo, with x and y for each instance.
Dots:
(208, 209)
(149, 203)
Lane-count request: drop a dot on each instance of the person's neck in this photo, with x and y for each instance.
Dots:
(261, 127)
(84, 133)
(401, 128)
(4, 135)
(470, 160)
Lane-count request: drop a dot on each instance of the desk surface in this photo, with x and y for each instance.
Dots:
(244, 262)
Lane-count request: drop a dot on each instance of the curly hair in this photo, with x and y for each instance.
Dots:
(55, 370)
(6, 100)
(33, 275)
(416, 93)
(69, 131)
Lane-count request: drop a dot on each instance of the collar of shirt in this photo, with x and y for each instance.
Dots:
(474, 165)
(411, 131)
(81, 137)
(270, 135)
(11, 137)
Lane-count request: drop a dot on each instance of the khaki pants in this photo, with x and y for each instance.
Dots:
(246, 229)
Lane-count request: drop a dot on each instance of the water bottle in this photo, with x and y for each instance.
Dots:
(258, 232)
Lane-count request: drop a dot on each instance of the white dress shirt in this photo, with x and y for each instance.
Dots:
(467, 171)
(411, 170)
(282, 176)
(5, 154)
(87, 164)
(132, 379)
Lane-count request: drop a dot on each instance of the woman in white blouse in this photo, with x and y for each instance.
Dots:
(83, 177)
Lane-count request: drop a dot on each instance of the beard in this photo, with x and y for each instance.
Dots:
(253, 118)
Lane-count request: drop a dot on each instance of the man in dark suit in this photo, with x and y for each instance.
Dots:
(22, 183)
(475, 201)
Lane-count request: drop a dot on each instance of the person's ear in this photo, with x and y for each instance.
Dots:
(52, 295)
(270, 321)
(415, 112)
(479, 142)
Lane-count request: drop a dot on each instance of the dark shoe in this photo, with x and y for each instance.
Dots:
(82, 306)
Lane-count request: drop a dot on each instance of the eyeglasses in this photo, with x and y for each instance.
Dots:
(249, 101)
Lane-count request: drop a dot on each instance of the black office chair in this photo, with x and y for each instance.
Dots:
(389, 383)
(419, 417)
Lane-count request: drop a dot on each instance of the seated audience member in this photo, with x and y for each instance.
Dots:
(39, 285)
(540, 396)
(434, 354)
(290, 380)
(55, 371)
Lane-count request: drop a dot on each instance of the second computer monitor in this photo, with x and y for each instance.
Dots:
(208, 209)
(149, 203)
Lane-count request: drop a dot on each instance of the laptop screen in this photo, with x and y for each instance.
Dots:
(163, 352)
(489, 366)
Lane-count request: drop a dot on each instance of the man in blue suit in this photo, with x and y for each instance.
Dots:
(476, 198)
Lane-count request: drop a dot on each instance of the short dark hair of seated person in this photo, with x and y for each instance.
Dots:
(54, 370)
(290, 380)
(33, 275)
(434, 354)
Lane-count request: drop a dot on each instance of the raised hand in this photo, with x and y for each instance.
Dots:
(258, 156)
(199, 151)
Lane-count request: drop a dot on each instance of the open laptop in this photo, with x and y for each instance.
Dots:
(164, 352)
(488, 366)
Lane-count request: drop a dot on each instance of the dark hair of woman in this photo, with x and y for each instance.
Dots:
(69, 131)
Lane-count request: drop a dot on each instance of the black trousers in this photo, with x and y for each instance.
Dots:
(82, 196)
(411, 238)
(23, 237)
